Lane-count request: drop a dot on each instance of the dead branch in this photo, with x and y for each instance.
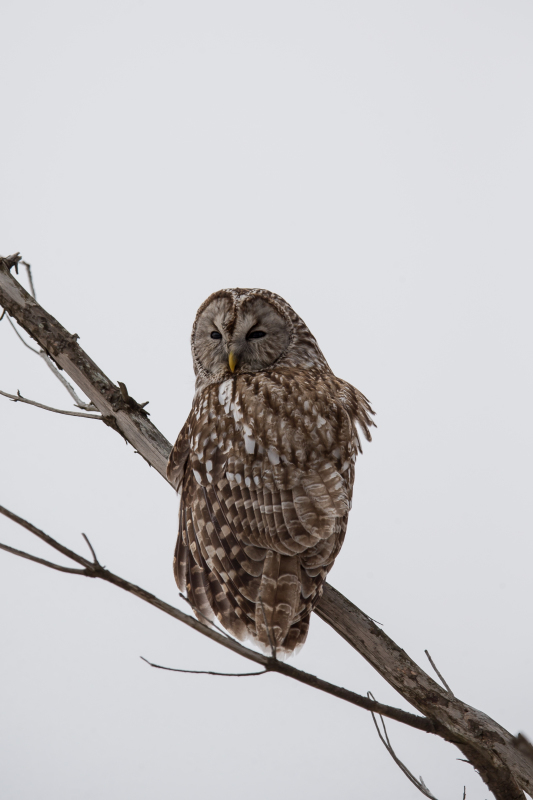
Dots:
(206, 672)
(30, 279)
(18, 398)
(384, 737)
(438, 673)
(52, 367)
(490, 749)
(93, 569)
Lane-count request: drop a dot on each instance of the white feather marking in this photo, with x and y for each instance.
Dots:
(249, 444)
(224, 394)
(273, 456)
(320, 421)
(197, 476)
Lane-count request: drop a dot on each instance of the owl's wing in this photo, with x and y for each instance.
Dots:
(257, 557)
(266, 492)
(179, 455)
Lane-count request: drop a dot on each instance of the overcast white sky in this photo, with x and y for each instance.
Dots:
(372, 163)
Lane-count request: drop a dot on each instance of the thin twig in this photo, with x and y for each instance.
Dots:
(420, 785)
(70, 389)
(45, 538)
(20, 337)
(18, 398)
(91, 548)
(95, 570)
(30, 278)
(438, 673)
(50, 364)
(206, 672)
(42, 561)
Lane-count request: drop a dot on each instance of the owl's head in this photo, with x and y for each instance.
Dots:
(249, 330)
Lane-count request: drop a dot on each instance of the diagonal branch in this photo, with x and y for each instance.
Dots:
(120, 411)
(486, 744)
(93, 569)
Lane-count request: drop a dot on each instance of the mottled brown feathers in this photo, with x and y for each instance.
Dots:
(265, 466)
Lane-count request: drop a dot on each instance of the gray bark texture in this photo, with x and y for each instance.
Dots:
(504, 763)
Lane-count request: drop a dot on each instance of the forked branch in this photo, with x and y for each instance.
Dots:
(505, 767)
(18, 398)
(93, 569)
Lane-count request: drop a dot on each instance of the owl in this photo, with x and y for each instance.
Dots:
(265, 467)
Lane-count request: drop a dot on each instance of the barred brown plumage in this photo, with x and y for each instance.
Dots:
(265, 465)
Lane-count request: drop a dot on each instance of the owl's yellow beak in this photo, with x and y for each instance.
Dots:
(232, 360)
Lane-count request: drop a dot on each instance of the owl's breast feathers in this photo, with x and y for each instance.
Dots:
(265, 462)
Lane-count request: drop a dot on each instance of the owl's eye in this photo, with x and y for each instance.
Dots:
(216, 335)
(256, 335)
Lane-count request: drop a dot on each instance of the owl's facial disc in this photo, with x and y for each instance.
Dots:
(247, 339)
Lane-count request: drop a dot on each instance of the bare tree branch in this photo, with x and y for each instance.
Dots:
(420, 785)
(125, 416)
(18, 398)
(438, 673)
(91, 548)
(33, 350)
(61, 378)
(51, 366)
(524, 746)
(206, 672)
(30, 279)
(486, 744)
(93, 569)
(42, 354)
(42, 561)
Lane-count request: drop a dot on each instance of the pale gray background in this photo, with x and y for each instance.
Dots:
(372, 163)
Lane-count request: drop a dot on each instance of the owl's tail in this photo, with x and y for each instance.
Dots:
(281, 614)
